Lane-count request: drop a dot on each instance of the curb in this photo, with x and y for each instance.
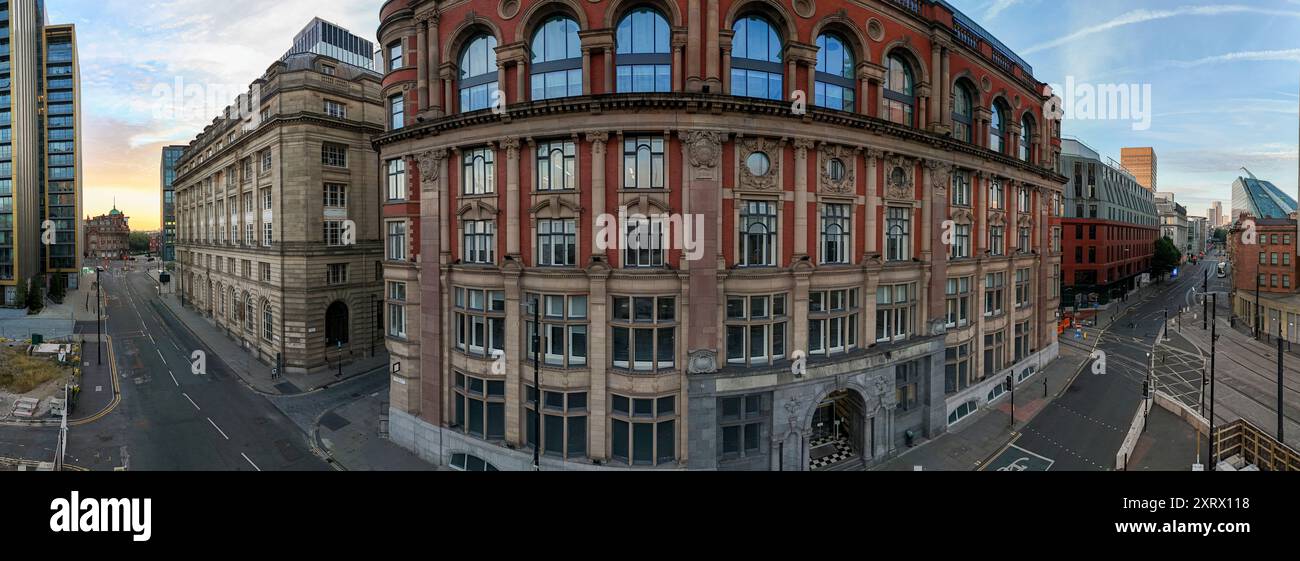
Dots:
(117, 390)
(318, 446)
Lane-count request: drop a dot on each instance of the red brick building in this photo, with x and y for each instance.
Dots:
(875, 182)
(1268, 267)
(108, 236)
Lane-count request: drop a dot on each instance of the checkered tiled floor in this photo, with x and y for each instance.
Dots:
(843, 451)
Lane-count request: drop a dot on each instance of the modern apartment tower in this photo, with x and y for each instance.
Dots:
(40, 171)
(167, 208)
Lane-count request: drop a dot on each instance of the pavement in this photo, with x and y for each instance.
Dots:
(1082, 422)
(1167, 444)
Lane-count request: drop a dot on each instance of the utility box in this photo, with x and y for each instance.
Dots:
(57, 406)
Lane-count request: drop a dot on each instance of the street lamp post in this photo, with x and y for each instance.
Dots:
(99, 355)
(1279, 391)
(1205, 302)
(1209, 460)
(1257, 320)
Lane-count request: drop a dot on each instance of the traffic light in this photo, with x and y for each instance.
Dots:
(1009, 386)
(1146, 389)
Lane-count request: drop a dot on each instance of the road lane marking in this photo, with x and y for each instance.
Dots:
(164, 359)
(250, 462)
(151, 339)
(214, 425)
(196, 406)
(169, 373)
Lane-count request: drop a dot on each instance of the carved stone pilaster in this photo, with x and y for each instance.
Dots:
(512, 147)
(703, 148)
(940, 175)
(598, 140)
(430, 164)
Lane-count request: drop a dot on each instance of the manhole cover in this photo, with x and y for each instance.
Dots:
(334, 421)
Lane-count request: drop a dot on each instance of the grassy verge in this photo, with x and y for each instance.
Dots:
(20, 373)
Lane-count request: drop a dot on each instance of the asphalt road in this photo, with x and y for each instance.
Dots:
(1083, 429)
(171, 418)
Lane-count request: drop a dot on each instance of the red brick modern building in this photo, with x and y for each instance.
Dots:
(1109, 227)
(872, 184)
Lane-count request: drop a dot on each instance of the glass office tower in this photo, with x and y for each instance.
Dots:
(62, 193)
(324, 38)
(170, 155)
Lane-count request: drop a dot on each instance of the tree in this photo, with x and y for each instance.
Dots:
(1220, 234)
(138, 242)
(20, 300)
(57, 290)
(1166, 258)
(35, 298)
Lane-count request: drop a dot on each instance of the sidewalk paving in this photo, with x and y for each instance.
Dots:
(253, 372)
(351, 435)
(1167, 444)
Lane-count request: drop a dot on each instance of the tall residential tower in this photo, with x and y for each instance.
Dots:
(40, 171)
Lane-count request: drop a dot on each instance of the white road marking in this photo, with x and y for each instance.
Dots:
(196, 406)
(161, 356)
(151, 339)
(214, 425)
(169, 373)
(250, 462)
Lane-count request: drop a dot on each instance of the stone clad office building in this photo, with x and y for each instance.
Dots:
(868, 272)
(277, 215)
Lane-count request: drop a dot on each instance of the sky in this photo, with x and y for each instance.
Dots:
(1224, 79)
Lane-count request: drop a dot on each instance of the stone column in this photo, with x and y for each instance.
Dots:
(422, 63)
(703, 177)
(801, 146)
(873, 201)
(432, 181)
(711, 52)
(597, 406)
(518, 368)
(678, 61)
(980, 194)
(586, 71)
(598, 147)
(945, 92)
(937, 79)
(512, 196)
(608, 55)
(695, 29)
(938, 177)
(435, 88)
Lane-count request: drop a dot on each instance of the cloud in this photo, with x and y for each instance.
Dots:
(1271, 55)
(1144, 15)
(998, 7)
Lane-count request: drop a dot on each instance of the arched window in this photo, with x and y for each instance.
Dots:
(644, 53)
(834, 79)
(962, 113)
(996, 134)
(268, 321)
(1026, 136)
(478, 73)
(900, 99)
(756, 60)
(557, 59)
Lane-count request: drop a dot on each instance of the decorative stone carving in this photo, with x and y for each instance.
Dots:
(804, 8)
(962, 215)
(792, 410)
(508, 9)
(703, 148)
(598, 140)
(427, 16)
(430, 163)
(512, 147)
(899, 183)
(771, 149)
(702, 361)
(875, 30)
(940, 175)
(845, 184)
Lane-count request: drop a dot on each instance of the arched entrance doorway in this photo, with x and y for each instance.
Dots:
(839, 431)
(336, 324)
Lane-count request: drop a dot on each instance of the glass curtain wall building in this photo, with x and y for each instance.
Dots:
(324, 38)
(170, 155)
(62, 168)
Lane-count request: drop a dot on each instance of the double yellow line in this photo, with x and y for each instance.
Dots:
(117, 390)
